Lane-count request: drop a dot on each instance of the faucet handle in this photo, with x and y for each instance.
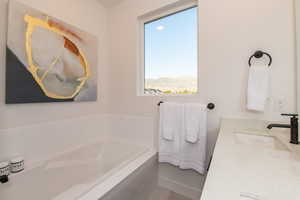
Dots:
(290, 115)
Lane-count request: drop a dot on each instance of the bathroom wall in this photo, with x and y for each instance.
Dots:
(229, 32)
(90, 16)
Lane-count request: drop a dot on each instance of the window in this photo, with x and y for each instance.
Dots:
(171, 54)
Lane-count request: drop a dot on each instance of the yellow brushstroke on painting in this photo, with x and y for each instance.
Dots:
(35, 22)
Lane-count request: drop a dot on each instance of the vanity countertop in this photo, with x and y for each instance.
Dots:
(250, 160)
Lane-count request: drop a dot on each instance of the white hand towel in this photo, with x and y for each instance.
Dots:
(194, 116)
(193, 155)
(258, 87)
(170, 119)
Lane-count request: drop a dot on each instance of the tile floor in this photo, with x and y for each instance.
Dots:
(155, 181)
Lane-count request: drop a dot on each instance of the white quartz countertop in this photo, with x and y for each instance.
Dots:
(251, 162)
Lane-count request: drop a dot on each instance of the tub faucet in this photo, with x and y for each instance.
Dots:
(293, 126)
(4, 179)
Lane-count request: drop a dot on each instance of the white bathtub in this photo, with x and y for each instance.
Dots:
(85, 170)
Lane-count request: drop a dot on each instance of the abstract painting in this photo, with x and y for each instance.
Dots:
(48, 60)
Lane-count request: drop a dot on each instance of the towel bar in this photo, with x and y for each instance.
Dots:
(210, 106)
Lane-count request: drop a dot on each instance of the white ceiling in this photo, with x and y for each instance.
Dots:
(110, 3)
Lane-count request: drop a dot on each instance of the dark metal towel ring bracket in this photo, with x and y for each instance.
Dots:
(260, 54)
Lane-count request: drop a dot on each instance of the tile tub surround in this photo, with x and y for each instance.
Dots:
(43, 141)
(268, 167)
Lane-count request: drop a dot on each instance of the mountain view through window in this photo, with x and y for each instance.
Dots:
(171, 54)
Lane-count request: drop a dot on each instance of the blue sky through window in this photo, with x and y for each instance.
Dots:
(171, 46)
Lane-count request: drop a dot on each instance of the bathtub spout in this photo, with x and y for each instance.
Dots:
(4, 179)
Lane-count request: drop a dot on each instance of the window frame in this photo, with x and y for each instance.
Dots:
(153, 16)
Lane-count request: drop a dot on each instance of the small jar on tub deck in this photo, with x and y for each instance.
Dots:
(4, 169)
(16, 164)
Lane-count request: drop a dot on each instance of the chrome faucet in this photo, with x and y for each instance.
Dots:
(293, 126)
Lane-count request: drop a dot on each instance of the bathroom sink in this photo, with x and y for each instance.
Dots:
(259, 140)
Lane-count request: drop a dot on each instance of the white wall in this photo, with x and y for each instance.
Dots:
(229, 32)
(90, 16)
(297, 23)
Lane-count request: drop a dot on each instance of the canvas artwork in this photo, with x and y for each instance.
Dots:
(48, 60)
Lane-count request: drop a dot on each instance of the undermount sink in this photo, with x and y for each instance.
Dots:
(259, 140)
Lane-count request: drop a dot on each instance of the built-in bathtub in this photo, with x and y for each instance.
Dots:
(85, 170)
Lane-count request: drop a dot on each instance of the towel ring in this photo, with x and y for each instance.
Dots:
(260, 54)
